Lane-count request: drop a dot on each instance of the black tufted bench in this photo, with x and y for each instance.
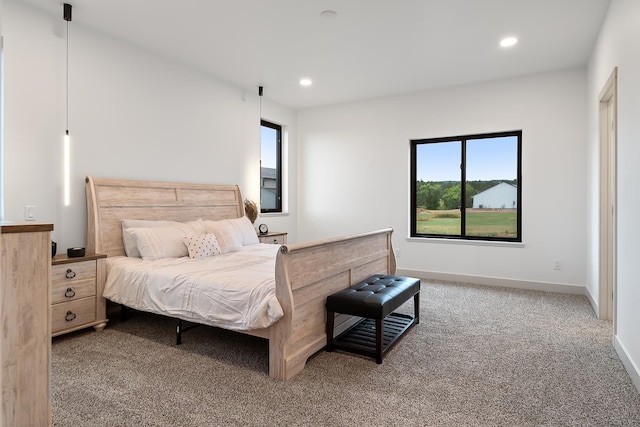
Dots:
(374, 299)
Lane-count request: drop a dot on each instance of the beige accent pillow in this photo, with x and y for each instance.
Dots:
(202, 245)
(225, 234)
(165, 241)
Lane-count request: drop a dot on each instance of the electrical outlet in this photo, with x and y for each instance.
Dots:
(397, 252)
(557, 264)
(29, 213)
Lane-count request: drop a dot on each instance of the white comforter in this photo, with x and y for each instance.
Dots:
(232, 291)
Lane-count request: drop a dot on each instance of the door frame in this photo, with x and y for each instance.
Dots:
(607, 122)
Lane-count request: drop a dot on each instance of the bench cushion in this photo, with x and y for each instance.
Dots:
(374, 297)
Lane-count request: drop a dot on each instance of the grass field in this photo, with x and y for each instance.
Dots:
(480, 222)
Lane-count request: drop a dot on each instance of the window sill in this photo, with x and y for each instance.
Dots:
(465, 242)
(272, 214)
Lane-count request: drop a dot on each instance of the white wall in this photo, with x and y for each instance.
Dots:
(133, 115)
(618, 45)
(1, 114)
(354, 169)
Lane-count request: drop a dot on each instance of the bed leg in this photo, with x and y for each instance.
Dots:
(329, 330)
(179, 332)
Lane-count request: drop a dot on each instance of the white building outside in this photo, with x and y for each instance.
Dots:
(501, 196)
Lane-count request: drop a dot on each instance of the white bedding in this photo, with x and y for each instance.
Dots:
(233, 291)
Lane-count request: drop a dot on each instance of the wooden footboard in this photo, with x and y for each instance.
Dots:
(305, 274)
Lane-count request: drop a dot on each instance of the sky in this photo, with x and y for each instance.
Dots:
(268, 147)
(487, 159)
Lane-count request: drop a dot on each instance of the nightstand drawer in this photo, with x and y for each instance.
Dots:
(67, 315)
(72, 272)
(76, 293)
(274, 238)
(72, 291)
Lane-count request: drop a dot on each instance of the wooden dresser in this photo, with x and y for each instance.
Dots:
(76, 293)
(25, 328)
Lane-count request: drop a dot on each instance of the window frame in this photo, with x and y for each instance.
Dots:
(414, 143)
(278, 129)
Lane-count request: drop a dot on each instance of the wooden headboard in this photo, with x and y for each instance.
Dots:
(109, 201)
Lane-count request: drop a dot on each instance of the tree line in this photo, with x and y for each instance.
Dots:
(433, 195)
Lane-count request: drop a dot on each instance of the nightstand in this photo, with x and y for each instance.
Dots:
(274, 237)
(76, 293)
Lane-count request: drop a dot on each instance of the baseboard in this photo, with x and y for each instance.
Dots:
(593, 301)
(628, 364)
(495, 281)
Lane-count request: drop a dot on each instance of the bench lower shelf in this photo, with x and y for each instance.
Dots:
(361, 337)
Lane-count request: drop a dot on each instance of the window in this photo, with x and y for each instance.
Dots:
(467, 187)
(270, 167)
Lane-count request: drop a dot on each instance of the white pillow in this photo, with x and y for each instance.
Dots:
(129, 243)
(165, 241)
(244, 230)
(202, 245)
(225, 234)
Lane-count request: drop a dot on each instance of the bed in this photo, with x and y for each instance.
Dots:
(304, 273)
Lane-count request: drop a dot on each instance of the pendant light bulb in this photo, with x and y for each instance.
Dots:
(67, 168)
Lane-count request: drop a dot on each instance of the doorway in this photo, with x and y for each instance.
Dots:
(608, 204)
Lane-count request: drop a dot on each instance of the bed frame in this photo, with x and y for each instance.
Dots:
(305, 272)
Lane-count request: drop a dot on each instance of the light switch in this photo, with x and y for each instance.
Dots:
(29, 213)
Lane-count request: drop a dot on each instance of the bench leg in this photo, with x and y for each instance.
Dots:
(379, 340)
(329, 330)
(416, 307)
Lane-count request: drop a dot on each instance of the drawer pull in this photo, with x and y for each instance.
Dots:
(70, 293)
(70, 316)
(70, 274)
(275, 241)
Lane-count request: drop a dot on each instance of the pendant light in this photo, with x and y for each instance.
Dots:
(66, 14)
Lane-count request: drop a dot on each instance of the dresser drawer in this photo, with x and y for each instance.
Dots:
(67, 315)
(72, 290)
(73, 272)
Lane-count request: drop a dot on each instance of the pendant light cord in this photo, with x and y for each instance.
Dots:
(67, 72)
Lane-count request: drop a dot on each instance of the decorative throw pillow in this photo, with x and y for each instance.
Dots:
(202, 245)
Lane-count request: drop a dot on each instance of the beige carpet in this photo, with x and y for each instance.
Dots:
(481, 356)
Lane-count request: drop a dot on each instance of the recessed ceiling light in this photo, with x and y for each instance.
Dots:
(328, 14)
(508, 41)
(305, 82)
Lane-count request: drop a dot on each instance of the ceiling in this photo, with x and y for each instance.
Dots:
(372, 48)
